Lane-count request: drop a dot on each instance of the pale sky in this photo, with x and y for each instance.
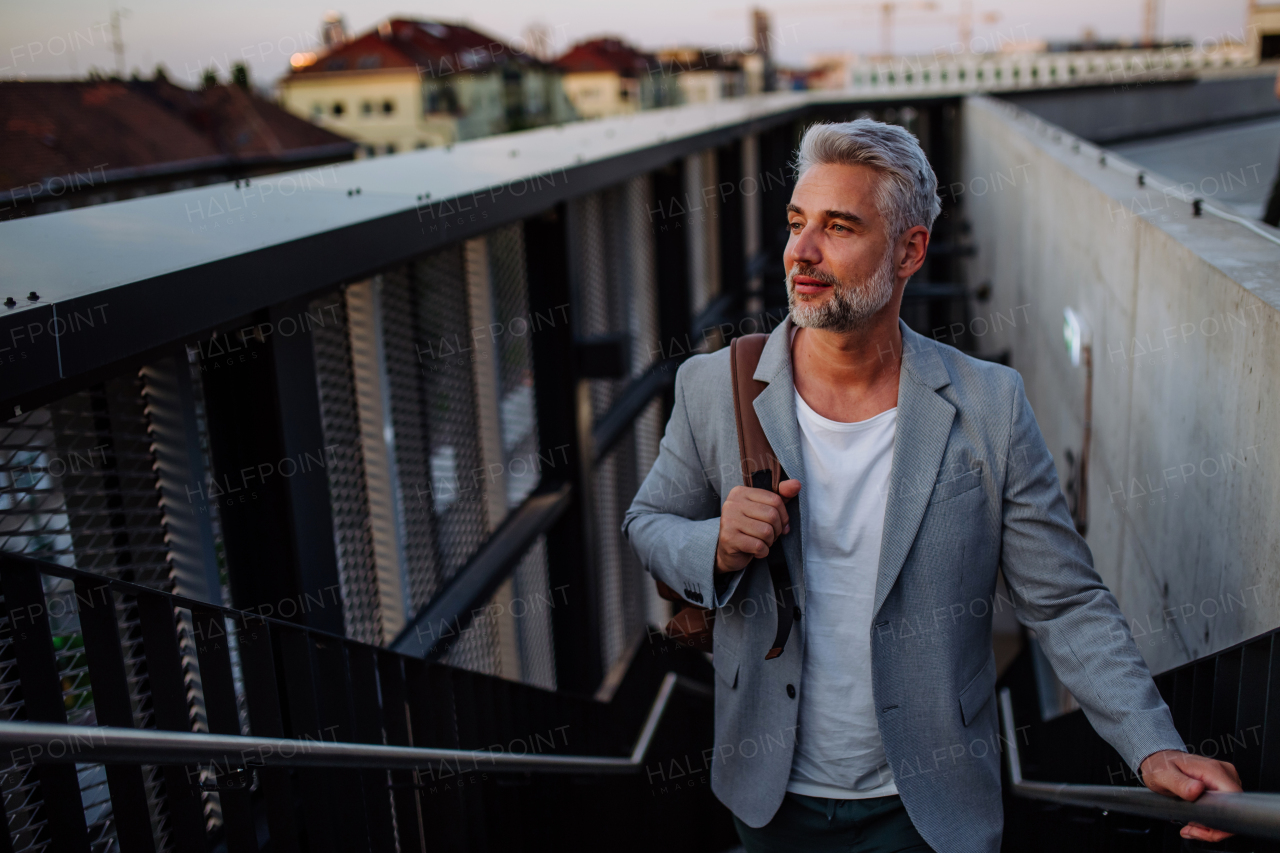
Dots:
(36, 38)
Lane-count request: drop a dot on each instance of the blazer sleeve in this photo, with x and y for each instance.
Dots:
(674, 522)
(1058, 594)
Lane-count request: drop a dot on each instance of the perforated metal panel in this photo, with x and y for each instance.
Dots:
(79, 488)
(454, 493)
(642, 290)
(211, 802)
(33, 520)
(348, 499)
(702, 228)
(612, 260)
(405, 367)
(525, 461)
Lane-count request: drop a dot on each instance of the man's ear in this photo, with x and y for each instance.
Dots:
(912, 247)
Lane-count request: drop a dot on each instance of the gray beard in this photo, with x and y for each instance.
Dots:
(850, 307)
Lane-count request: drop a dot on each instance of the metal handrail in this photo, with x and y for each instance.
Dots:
(63, 744)
(495, 559)
(610, 427)
(1252, 814)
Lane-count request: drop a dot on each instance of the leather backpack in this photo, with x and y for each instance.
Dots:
(692, 625)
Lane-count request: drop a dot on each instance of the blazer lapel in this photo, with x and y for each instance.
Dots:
(776, 408)
(924, 424)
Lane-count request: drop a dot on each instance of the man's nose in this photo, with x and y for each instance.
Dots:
(804, 248)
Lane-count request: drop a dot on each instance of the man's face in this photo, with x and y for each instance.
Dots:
(839, 258)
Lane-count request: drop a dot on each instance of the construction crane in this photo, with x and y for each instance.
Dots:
(888, 10)
(965, 20)
(1151, 23)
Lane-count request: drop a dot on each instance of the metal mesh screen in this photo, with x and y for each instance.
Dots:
(187, 639)
(424, 348)
(646, 348)
(348, 499)
(79, 489)
(445, 348)
(406, 368)
(611, 259)
(523, 457)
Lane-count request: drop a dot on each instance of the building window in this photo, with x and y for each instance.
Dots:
(391, 148)
(441, 100)
(370, 151)
(419, 145)
(338, 109)
(388, 107)
(368, 61)
(317, 110)
(367, 108)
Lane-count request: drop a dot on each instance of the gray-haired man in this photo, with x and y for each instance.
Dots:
(923, 472)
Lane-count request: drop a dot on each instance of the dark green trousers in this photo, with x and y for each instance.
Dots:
(819, 824)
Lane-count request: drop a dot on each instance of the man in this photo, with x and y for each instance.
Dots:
(915, 473)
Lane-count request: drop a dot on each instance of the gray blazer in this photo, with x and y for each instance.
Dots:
(973, 489)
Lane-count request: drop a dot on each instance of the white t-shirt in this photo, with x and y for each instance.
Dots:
(839, 753)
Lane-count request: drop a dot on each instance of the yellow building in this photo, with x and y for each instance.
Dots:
(1263, 32)
(703, 75)
(419, 84)
(608, 77)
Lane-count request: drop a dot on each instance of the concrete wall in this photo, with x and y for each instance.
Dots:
(1184, 482)
(1108, 114)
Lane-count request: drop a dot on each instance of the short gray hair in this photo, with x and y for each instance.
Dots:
(908, 193)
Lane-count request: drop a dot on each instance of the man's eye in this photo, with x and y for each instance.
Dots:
(839, 227)
(793, 225)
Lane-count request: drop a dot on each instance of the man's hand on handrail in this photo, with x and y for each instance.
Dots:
(1180, 774)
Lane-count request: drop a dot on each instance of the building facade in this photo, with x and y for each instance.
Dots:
(412, 84)
(607, 77)
(1263, 31)
(704, 75)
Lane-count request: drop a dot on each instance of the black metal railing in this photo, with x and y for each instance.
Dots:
(326, 695)
(1253, 814)
(1225, 705)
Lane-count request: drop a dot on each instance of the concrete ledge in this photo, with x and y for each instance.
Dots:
(1135, 110)
(1185, 316)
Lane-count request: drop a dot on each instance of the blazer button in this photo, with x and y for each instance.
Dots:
(791, 691)
(796, 612)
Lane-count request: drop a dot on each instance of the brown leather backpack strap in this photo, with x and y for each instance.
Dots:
(761, 469)
(753, 446)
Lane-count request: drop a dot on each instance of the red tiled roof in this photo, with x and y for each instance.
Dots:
(59, 128)
(241, 124)
(52, 129)
(435, 47)
(605, 54)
